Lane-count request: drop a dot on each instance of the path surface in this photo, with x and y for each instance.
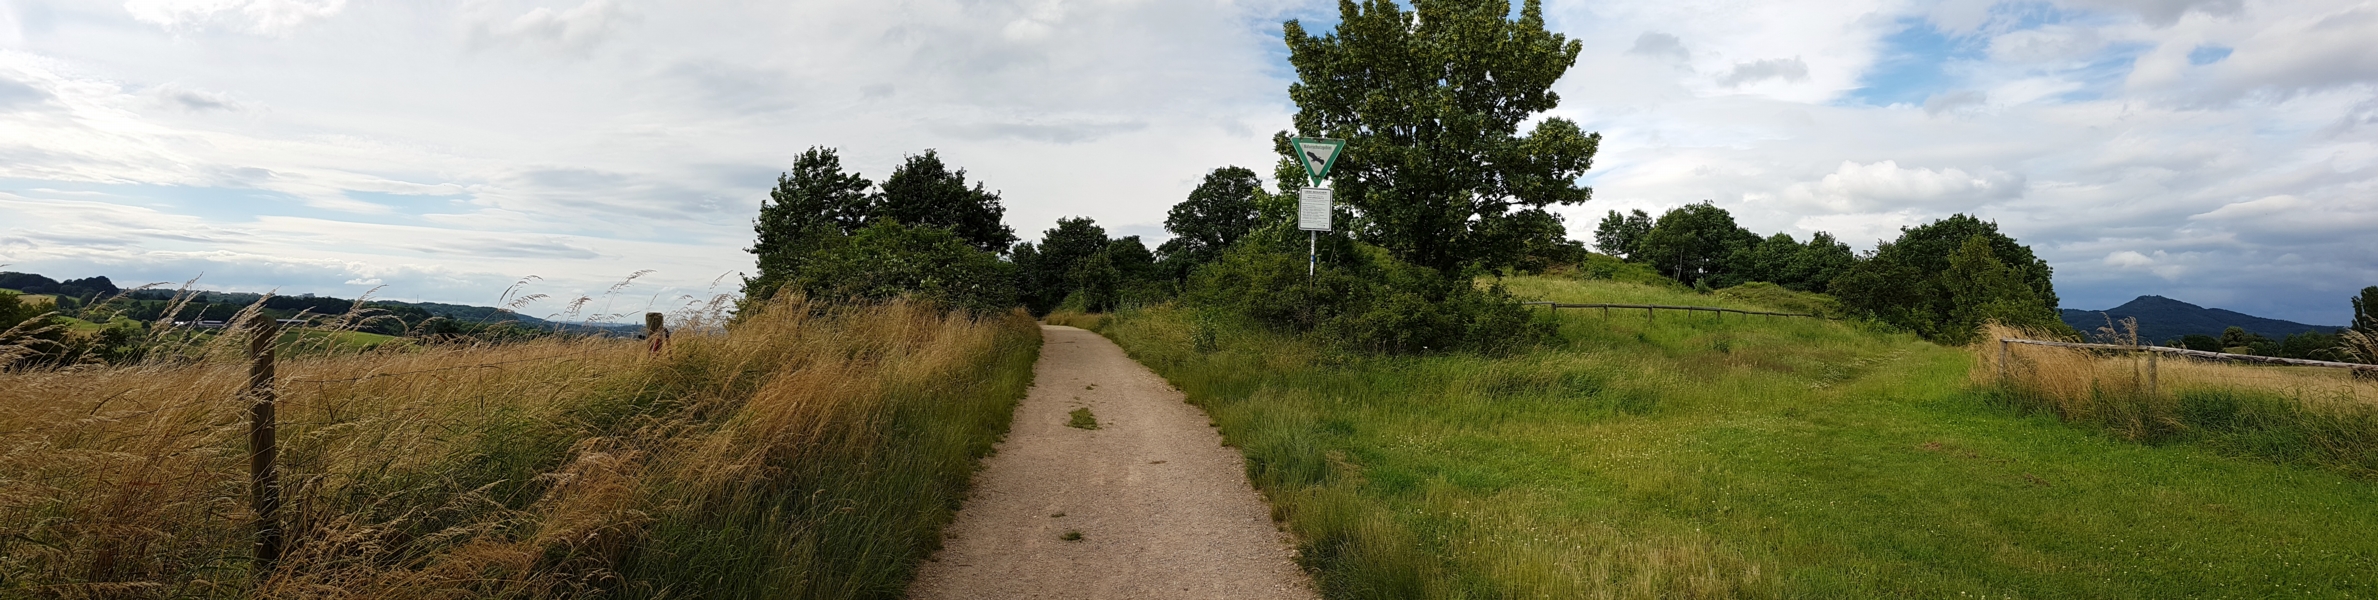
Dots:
(1163, 508)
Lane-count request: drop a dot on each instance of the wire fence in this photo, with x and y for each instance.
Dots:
(2200, 354)
(486, 365)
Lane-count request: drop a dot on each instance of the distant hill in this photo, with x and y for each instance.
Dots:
(489, 314)
(2163, 319)
(218, 305)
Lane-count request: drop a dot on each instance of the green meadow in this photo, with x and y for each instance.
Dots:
(1699, 456)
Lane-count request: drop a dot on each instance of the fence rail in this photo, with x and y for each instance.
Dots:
(2197, 354)
(1648, 308)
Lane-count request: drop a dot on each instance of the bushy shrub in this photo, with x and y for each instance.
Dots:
(889, 260)
(1604, 266)
(1369, 302)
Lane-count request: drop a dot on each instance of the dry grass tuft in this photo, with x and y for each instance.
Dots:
(556, 467)
(2312, 414)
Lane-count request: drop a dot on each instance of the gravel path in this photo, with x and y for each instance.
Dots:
(1163, 509)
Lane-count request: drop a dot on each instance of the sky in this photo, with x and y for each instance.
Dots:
(2220, 152)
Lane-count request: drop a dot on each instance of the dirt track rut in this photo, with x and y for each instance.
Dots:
(1163, 508)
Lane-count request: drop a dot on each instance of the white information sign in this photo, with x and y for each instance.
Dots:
(1313, 209)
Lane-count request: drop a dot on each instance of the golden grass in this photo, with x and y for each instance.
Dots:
(2074, 377)
(2313, 415)
(527, 470)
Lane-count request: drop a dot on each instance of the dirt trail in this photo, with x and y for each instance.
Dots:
(1164, 510)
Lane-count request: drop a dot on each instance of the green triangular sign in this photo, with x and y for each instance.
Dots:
(1318, 155)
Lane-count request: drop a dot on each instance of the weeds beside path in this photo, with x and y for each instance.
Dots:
(1144, 503)
(809, 451)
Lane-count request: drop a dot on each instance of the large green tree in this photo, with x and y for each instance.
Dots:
(1982, 289)
(1622, 235)
(1053, 268)
(1905, 282)
(813, 202)
(1430, 102)
(1219, 212)
(1696, 244)
(888, 259)
(925, 192)
(1784, 261)
(1821, 260)
(1530, 241)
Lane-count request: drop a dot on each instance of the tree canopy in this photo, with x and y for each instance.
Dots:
(1216, 215)
(1622, 235)
(1430, 102)
(889, 259)
(1917, 281)
(1052, 268)
(1693, 244)
(822, 232)
(925, 192)
(813, 201)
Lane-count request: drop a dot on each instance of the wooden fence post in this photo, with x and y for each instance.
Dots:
(2151, 373)
(655, 334)
(2002, 344)
(263, 477)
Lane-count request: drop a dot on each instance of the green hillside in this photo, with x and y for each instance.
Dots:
(1688, 456)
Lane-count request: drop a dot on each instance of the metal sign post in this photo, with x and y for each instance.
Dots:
(1315, 204)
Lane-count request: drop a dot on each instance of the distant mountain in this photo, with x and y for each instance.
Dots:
(2163, 319)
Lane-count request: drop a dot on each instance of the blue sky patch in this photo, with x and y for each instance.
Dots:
(1915, 63)
(2208, 54)
(2103, 76)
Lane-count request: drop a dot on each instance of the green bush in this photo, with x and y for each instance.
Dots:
(1371, 303)
(888, 260)
(1604, 266)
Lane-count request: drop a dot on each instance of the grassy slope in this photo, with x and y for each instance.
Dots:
(1778, 457)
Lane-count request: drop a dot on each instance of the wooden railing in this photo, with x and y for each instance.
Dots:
(2193, 353)
(2153, 351)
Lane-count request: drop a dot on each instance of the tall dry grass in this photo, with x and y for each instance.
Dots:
(2317, 415)
(828, 442)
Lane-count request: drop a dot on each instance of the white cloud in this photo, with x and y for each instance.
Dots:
(573, 30)
(263, 17)
(2046, 44)
(1661, 45)
(2161, 12)
(1787, 69)
(1884, 184)
(194, 100)
(2161, 264)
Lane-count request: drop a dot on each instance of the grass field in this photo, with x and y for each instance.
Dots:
(1687, 456)
(808, 452)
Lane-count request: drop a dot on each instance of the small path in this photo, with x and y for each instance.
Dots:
(1164, 509)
